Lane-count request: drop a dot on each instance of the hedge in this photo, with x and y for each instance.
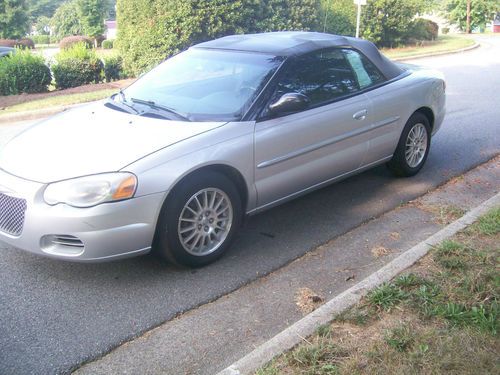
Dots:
(151, 30)
(113, 68)
(23, 72)
(107, 44)
(21, 43)
(70, 41)
(77, 66)
(423, 29)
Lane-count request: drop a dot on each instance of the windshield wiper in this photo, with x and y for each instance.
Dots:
(153, 105)
(123, 101)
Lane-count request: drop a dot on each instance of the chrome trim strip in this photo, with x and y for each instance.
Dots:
(317, 186)
(327, 142)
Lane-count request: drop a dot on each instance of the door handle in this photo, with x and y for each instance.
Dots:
(361, 115)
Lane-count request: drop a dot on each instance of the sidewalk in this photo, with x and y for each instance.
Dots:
(212, 337)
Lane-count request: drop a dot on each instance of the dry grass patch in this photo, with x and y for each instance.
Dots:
(439, 317)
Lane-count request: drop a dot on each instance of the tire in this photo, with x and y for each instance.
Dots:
(413, 147)
(184, 238)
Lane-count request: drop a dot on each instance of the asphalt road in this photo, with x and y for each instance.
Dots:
(56, 315)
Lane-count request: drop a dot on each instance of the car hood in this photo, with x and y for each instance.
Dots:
(91, 139)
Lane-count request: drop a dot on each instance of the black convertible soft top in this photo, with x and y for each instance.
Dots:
(293, 43)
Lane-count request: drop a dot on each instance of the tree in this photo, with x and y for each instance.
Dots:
(91, 14)
(482, 11)
(387, 22)
(42, 8)
(13, 19)
(66, 20)
(151, 30)
(338, 17)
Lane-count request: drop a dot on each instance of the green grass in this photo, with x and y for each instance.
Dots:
(60, 100)
(442, 316)
(444, 43)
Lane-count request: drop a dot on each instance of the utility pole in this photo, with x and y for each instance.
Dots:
(358, 18)
(467, 28)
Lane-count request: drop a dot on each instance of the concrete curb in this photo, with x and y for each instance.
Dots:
(474, 46)
(295, 334)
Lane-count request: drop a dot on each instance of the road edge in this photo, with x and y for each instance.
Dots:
(432, 54)
(306, 326)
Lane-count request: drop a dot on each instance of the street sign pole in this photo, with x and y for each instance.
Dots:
(358, 18)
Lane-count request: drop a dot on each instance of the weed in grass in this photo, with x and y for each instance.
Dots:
(450, 255)
(408, 280)
(270, 369)
(316, 355)
(489, 224)
(324, 330)
(386, 296)
(358, 316)
(400, 338)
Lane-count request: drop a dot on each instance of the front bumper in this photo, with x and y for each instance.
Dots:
(104, 232)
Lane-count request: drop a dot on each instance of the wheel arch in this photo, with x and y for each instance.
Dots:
(427, 112)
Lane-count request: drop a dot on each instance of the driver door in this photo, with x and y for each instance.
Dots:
(296, 151)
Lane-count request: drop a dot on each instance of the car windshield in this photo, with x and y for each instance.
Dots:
(204, 85)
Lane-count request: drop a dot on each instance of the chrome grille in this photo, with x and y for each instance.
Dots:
(12, 214)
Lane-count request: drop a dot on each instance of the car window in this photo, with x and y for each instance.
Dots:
(322, 76)
(366, 73)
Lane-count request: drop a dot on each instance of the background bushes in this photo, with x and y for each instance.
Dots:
(107, 44)
(21, 43)
(77, 66)
(23, 72)
(422, 29)
(151, 30)
(113, 68)
(44, 39)
(70, 41)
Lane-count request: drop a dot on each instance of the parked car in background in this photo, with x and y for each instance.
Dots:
(228, 128)
(5, 51)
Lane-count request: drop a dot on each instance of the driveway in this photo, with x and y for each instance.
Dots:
(56, 315)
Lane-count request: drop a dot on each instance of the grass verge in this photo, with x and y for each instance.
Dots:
(444, 43)
(60, 100)
(440, 317)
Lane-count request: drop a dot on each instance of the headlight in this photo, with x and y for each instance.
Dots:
(92, 190)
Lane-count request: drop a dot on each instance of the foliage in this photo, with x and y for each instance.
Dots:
(107, 44)
(422, 29)
(44, 39)
(77, 66)
(23, 72)
(482, 11)
(13, 19)
(151, 30)
(21, 43)
(42, 8)
(70, 41)
(113, 68)
(338, 17)
(386, 22)
(91, 14)
(66, 21)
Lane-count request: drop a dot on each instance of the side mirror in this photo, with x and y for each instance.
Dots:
(288, 103)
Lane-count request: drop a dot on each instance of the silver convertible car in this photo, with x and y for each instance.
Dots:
(228, 128)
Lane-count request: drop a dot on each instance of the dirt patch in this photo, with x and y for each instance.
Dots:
(380, 251)
(9, 101)
(307, 300)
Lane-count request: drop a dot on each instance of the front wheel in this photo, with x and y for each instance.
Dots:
(199, 221)
(413, 147)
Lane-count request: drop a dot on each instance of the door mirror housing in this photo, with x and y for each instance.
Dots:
(288, 103)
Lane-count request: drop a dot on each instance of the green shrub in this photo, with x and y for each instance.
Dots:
(113, 68)
(445, 30)
(41, 39)
(151, 30)
(107, 44)
(423, 29)
(70, 41)
(23, 72)
(77, 66)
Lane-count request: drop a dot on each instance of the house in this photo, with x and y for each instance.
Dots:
(110, 29)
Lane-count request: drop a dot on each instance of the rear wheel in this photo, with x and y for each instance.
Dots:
(199, 220)
(413, 147)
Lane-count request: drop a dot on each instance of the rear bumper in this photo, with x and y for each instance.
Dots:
(104, 232)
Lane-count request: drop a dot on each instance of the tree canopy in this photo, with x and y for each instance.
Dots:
(482, 11)
(13, 19)
(151, 30)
